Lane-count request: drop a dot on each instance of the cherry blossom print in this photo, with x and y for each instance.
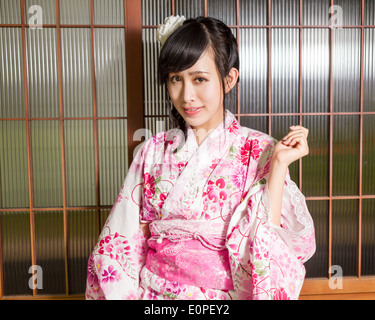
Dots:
(131, 296)
(244, 153)
(158, 139)
(191, 294)
(255, 150)
(149, 185)
(110, 275)
(91, 271)
(238, 177)
(249, 149)
(162, 198)
(171, 289)
(280, 294)
(216, 295)
(220, 183)
(181, 165)
(233, 127)
(152, 295)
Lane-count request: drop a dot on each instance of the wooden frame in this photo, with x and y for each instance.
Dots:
(360, 287)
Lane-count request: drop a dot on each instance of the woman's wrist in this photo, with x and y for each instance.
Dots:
(276, 181)
(278, 163)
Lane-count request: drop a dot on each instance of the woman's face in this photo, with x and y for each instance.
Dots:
(197, 93)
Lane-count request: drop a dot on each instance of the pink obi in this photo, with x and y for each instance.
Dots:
(190, 252)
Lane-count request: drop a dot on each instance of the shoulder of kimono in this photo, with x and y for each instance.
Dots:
(156, 143)
(252, 134)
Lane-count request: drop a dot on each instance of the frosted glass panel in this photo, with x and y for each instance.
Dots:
(315, 70)
(16, 252)
(315, 167)
(80, 162)
(346, 69)
(14, 190)
(285, 12)
(368, 242)
(317, 266)
(82, 236)
(189, 8)
(113, 158)
(256, 123)
(369, 70)
(155, 125)
(156, 100)
(10, 12)
(351, 11)
(284, 70)
(110, 72)
(316, 12)
(77, 72)
(49, 249)
(75, 12)
(12, 99)
(345, 171)
(253, 12)
(345, 235)
(47, 170)
(224, 10)
(43, 74)
(110, 12)
(253, 70)
(368, 158)
(154, 12)
(369, 12)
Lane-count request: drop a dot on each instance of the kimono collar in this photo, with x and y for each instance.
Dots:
(227, 129)
(185, 198)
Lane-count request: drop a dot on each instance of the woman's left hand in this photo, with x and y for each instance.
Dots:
(292, 147)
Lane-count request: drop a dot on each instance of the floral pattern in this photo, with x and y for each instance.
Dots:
(224, 180)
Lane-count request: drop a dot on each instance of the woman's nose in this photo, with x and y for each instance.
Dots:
(188, 93)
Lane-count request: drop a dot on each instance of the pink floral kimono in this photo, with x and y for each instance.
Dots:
(208, 210)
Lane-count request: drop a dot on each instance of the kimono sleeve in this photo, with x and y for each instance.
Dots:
(120, 252)
(267, 260)
(296, 228)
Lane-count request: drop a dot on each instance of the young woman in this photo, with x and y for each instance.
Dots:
(207, 210)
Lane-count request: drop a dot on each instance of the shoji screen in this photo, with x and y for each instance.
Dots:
(68, 113)
(63, 137)
(298, 66)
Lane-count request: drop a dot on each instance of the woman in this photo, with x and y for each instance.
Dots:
(207, 210)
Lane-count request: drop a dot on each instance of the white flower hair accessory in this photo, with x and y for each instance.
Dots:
(170, 25)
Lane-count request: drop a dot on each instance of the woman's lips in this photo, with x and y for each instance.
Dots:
(192, 111)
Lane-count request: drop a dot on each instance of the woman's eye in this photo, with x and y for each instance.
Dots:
(200, 80)
(174, 79)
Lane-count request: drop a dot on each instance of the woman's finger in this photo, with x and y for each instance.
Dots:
(297, 127)
(291, 134)
(299, 142)
(298, 137)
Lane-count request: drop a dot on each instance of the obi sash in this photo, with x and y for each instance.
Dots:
(191, 252)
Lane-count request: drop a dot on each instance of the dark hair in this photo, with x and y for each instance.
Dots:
(186, 45)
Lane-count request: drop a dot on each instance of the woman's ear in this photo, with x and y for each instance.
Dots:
(231, 79)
